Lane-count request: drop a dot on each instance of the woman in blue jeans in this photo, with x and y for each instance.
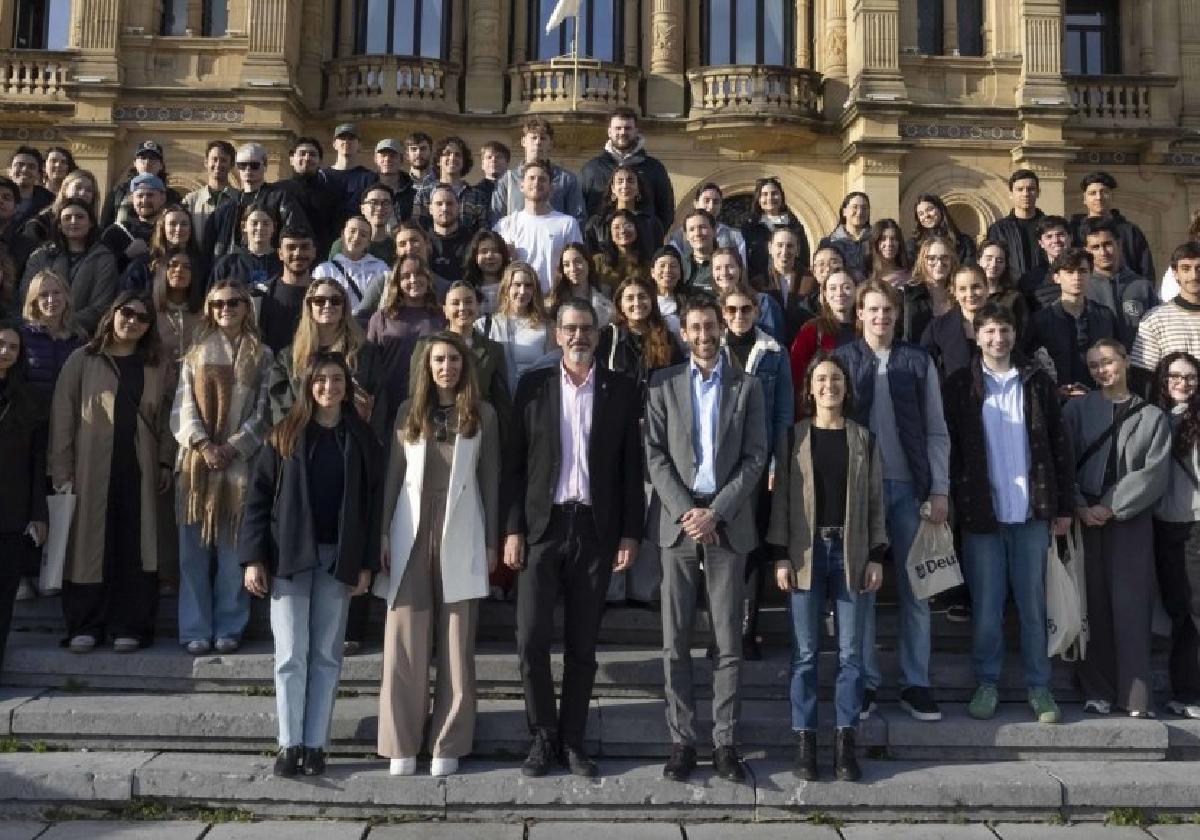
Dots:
(827, 522)
(310, 540)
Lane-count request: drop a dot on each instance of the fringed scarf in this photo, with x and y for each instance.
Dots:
(225, 387)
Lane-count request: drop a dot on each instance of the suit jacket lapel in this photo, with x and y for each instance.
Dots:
(551, 427)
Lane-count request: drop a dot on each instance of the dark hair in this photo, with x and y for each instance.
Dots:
(807, 404)
(993, 312)
(468, 160)
(224, 146)
(850, 196)
(1024, 175)
(376, 187)
(18, 367)
(149, 346)
(296, 231)
(609, 203)
(464, 284)
(1088, 227)
(700, 211)
(287, 432)
(656, 337)
(307, 141)
(1098, 177)
(755, 208)
(9, 184)
(709, 185)
(540, 163)
(65, 152)
(471, 272)
(1186, 251)
(1072, 259)
(1187, 434)
(698, 303)
(496, 148)
(416, 138)
(624, 112)
(32, 152)
(1007, 281)
(609, 247)
(56, 234)
(1049, 223)
(877, 231)
(945, 226)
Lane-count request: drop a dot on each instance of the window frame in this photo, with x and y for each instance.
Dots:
(25, 10)
(789, 33)
(361, 16)
(1109, 30)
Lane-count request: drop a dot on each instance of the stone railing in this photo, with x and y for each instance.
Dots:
(1120, 101)
(560, 85)
(35, 75)
(755, 90)
(395, 81)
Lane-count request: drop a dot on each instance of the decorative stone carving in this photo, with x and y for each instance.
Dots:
(953, 131)
(217, 113)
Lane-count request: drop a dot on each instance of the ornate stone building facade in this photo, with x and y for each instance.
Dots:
(894, 97)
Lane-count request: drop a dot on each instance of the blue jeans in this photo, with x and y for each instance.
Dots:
(308, 621)
(903, 518)
(1012, 557)
(808, 607)
(212, 605)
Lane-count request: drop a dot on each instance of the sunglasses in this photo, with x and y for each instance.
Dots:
(745, 309)
(321, 301)
(249, 164)
(231, 303)
(131, 314)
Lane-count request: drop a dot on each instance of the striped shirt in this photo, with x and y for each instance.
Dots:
(1168, 328)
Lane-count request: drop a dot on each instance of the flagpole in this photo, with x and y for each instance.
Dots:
(575, 58)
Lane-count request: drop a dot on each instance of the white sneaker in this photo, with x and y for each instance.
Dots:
(227, 645)
(26, 591)
(402, 766)
(443, 767)
(1097, 707)
(82, 643)
(125, 644)
(198, 647)
(1182, 709)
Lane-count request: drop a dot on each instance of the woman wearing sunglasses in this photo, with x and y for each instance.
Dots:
(219, 420)
(109, 444)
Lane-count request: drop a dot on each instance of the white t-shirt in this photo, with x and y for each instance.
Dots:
(539, 240)
(368, 275)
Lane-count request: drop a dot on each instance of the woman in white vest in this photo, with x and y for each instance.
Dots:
(440, 527)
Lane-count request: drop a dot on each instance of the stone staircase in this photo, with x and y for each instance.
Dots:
(103, 730)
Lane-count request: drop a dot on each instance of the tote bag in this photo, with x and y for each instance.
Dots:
(932, 564)
(1063, 617)
(62, 510)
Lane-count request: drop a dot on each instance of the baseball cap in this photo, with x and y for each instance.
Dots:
(149, 147)
(389, 144)
(344, 129)
(146, 181)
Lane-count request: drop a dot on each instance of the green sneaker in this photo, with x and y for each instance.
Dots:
(1044, 707)
(983, 704)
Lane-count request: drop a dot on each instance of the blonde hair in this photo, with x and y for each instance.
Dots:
(208, 325)
(537, 305)
(392, 295)
(306, 341)
(29, 308)
(419, 422)
(921, 274)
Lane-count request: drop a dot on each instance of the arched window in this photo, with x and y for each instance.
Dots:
(749, 32)
(402, 27)
(206, 17)
(42, 25)
(600, 25)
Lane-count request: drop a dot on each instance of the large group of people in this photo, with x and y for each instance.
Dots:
(388, 383)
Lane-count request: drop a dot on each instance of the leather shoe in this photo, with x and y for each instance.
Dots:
(806, 756)
(541, 755)
(314, 761)
(728, 764)
(577, 761)
(287, 763)
(845, 761)
(680, 765)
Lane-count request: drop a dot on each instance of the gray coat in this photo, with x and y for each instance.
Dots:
(93, 281)
(671, 460)
(1181, 501)
(793, 504)
(1143, 461)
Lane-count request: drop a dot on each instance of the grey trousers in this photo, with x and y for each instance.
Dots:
(724, 577)
(1119, 559)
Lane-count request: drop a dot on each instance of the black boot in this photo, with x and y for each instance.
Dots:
(287, 763)
(845, 761)
(806, 756)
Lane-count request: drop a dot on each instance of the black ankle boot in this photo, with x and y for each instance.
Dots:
(806, 756)
(845, 761)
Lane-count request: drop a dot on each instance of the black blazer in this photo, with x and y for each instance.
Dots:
(23, 428)
(533, 457)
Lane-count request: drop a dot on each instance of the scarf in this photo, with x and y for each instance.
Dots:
(225, 386)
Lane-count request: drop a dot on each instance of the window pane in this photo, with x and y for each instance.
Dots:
(747, 32)
(405, 15)
(1072, 60)
(217, 18)
(431, 28)
(720, 18)
(1093, 53)
(58, 25)
(604, 40)
(774, 32)
(376, 27)
(550, 45)
(174, 20)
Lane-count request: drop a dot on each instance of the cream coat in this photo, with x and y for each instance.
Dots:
(81, 444)
(470, 526)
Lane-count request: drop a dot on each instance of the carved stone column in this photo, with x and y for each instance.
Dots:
(267, 31)
(1189, 61)
(1041, 51)
(873, 50)
(631, 53)
(804, 36)
(665, 84)
(485, 68)
(949, 26)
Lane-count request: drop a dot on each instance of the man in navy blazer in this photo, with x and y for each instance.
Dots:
(573, 513)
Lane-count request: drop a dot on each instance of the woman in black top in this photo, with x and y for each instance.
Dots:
(310, 539)
(950, 338)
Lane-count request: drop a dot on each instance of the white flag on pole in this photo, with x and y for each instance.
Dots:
(562, 10)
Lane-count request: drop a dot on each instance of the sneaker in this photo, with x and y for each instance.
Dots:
(958, 613)
(680, 764)
(82, 643)
(198, 647)
(402, 766)
(728, 764)
(983, 704)
(227, 645)
(1097, 707)
(918, 702)
(868, 704)
(287, 762)
(1141, 714)
(26, 591)
(443, 767)
(125, 644)
(1043, 705)
(1179, 708)
(577, 761)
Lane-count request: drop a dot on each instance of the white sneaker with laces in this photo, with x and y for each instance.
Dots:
(402, 766)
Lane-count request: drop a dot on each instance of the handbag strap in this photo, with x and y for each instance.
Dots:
(1112, 429)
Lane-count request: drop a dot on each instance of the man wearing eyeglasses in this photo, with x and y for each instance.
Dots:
(572, 484)
(221, 231)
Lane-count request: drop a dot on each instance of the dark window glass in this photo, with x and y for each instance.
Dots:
(401, 27)
(600, 25)
(42, 24)
(749, 32)
(1090, 42)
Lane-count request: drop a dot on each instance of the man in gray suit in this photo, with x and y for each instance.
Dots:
(705, 448)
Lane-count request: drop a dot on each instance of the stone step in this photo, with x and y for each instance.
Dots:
(617, 727)
(38, 659)
(627, 790)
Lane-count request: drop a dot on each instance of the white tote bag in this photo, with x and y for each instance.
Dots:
(1078, 573)
(1063, 617)
(62, 510)
(932, 564)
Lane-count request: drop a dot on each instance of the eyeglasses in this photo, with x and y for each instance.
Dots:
(1189, 378)
(321, 301)
(222, 303)
(733, 311)
(249, 164)
(378, 202)
(131, 314)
